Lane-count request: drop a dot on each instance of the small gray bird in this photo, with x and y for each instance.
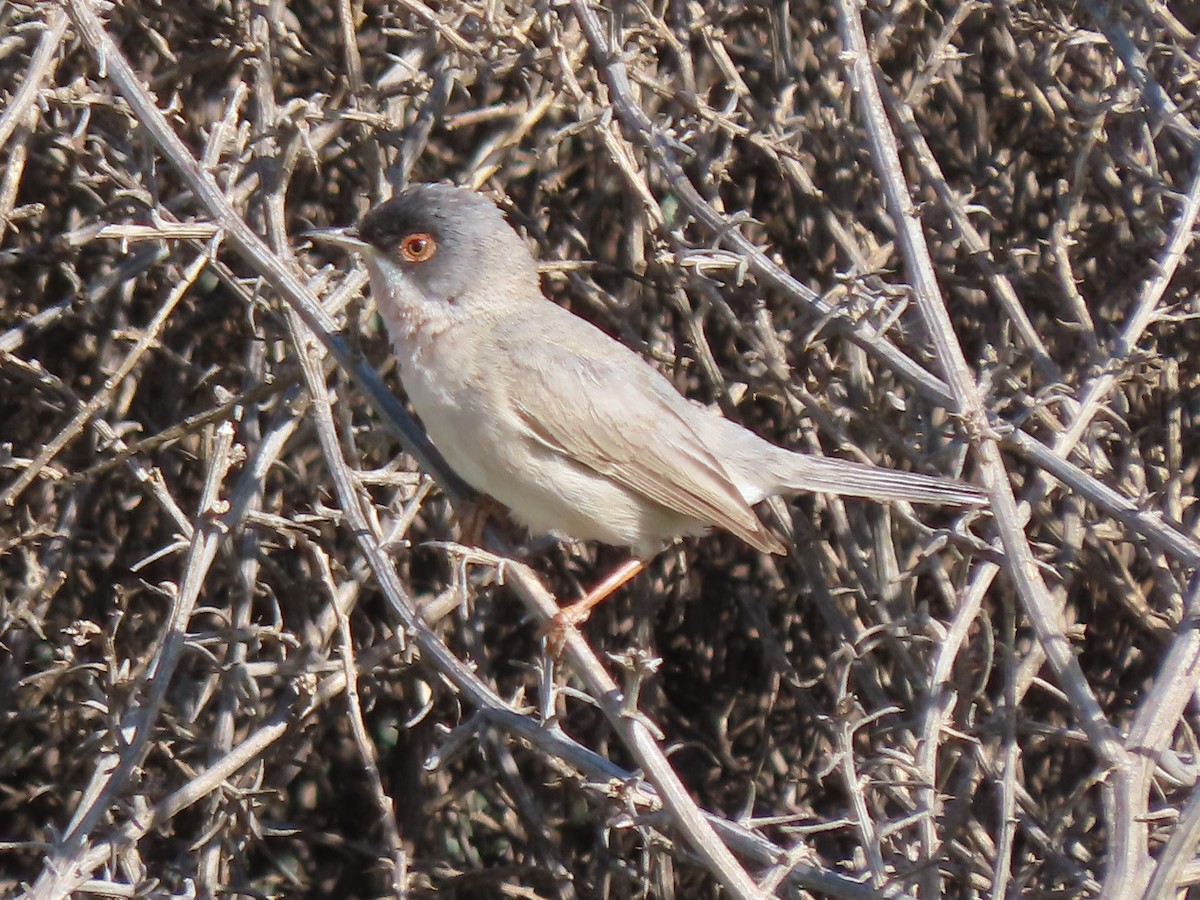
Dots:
(541, 410)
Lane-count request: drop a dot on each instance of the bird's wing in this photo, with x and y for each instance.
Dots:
(599, 404)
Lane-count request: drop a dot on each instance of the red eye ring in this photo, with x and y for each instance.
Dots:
(418, 247)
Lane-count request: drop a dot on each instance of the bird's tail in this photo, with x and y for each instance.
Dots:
(798, 472)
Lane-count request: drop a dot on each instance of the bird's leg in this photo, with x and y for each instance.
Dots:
(476, 514)
(577, 613)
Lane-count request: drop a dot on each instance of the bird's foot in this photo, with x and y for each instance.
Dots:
(474, 519)
(570, 617)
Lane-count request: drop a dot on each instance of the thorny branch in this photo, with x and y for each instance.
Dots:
(959, 239)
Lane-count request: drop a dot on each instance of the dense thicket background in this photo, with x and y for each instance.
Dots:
(913, 702)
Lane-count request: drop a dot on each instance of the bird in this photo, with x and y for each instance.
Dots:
(571, 430)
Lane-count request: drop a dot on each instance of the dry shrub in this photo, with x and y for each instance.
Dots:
(912, 702)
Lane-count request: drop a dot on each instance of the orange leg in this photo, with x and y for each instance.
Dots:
(577, 613)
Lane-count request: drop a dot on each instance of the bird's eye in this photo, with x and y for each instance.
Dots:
(418, 247)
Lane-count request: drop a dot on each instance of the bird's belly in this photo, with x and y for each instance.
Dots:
(560, 496)
(458, 428)
(546, 491)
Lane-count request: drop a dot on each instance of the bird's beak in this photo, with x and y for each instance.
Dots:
(346, 238)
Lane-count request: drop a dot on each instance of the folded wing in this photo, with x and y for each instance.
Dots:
(612, 412)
